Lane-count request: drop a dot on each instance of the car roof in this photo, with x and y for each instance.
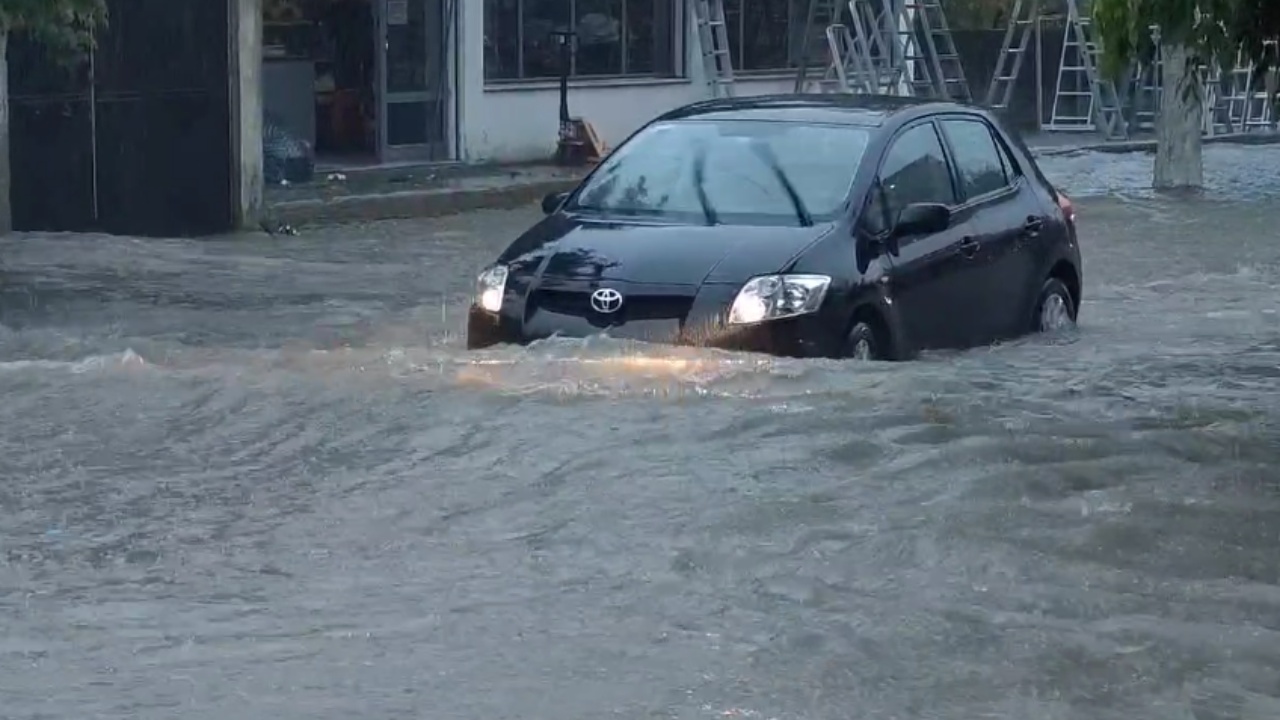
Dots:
(833, 108)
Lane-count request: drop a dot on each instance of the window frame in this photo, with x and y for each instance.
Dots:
(677, 44)
(1014, 176)
(877, 185)
(735, 15)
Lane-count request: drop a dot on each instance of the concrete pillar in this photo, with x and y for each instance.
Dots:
(245, 65)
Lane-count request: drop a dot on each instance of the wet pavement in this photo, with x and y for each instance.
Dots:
(259, 478)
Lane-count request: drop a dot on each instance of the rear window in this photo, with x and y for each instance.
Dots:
(728, 171)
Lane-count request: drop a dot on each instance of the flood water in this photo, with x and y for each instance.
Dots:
(259, 478)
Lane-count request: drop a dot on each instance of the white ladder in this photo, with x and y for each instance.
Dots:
(1146, 87)
(1082, 100)
(931, 63)
(879, 21)
(820, 15)
(851, 69)
(713, 39)
(1247, 106)
(1022, 19)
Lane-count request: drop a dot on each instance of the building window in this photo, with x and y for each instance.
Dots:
(765, 34)
(614, 38)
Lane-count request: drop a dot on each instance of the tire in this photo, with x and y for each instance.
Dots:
(864, 343)
(1055, 308)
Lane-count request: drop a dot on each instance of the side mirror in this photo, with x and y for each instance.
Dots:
(922, 219)
(552, 202)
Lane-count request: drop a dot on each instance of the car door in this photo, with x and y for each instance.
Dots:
(930, 279)
(1004, 217)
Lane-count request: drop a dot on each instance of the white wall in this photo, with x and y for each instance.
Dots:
(520, 122)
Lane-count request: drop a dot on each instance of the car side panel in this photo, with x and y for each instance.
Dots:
(1056, 242)
(1010, 255)
(934, 282)
(932, 285)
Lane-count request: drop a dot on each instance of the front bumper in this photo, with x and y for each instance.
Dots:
(803, 336)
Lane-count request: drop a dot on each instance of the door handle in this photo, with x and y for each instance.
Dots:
(1033, 226)
(968, 247)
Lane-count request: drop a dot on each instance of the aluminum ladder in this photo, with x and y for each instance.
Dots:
(1226, 96)
(820, 15)
(932, 63)
(878, 20)
(713, 39)
(1209, 80)
(851, 68)
(1082, 100)
(1022, 19)
(1247, 106)
(1145, 85)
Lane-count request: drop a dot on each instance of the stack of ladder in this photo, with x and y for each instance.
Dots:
(1144, 87)
(880, 19)
(931, 63)
(824, 15)
(850, 49)
(907, 40)
(885, 47)
(852, 69)
(1084, 101)
(713, 40)
(1242, 103)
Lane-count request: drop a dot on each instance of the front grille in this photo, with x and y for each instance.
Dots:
(635, 306)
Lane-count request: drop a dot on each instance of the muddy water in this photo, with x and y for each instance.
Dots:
(262, 480)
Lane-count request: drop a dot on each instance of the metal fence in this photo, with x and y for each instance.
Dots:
(134, 139)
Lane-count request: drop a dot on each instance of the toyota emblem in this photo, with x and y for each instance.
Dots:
(606, 300)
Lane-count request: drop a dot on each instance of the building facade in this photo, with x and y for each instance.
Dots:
(633, 59)
(377, 81)
(122, 143)
(478, 80)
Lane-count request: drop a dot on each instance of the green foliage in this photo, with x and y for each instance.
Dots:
(61, 25)
(1214, 30)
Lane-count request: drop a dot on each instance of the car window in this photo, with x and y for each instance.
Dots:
(728, 171)
(915, 171)
(1011, 168)
(978, 160)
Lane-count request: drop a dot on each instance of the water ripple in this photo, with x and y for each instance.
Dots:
(265, 480)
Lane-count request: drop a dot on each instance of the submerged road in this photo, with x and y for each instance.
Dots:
(259, 479)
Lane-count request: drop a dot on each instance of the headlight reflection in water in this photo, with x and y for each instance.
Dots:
(661, 372)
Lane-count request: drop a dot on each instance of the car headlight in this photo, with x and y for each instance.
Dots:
(491, 287)
(778, 296)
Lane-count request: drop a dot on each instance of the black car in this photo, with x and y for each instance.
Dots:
(812, 226)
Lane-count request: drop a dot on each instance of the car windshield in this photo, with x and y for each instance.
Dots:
(739, 172)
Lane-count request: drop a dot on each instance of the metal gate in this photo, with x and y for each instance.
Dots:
(135, 139)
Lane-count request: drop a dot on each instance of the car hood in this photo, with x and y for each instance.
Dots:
(576, 248)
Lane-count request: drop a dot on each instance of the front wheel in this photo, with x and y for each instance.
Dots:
(863, 343)
(1055, 310)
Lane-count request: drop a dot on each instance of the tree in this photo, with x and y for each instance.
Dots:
(1192, 33)
(66, 28)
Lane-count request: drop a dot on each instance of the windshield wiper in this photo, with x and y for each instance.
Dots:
(766, 153)
(699, 175)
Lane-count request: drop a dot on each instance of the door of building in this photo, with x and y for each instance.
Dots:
(413, 78)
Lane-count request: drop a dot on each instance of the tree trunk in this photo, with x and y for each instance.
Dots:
(6, 210)
(1178, 126)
